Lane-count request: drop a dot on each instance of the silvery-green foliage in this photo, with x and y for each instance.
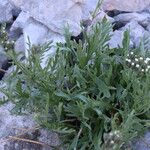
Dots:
(85, 91)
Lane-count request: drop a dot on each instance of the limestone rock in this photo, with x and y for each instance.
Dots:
(142, 18)
(21, 21)
(126, 5)
(39, 34)
(24, 127)
(19, 45)
(3, 57)
(143, 143)
(5, 11)
(116, 39)
(54, 14)
(137, 32)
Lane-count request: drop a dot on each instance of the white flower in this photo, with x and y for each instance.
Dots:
(128, 55)
(136, 59)
(111, 134)
(131, 53)
(141, 58)
(112, 142)
(142, 70)
(137, 65)
(148, 67)
(13, 42)
(145, 61)
(133, 64)
(128, 60)
(3, 31)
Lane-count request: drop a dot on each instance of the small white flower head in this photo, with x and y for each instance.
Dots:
(142, 70)
(146, 61)
(111, 134)
(137, 65)
(3, 31)
(132, 63)
(118, 136)
(136, 60)
(128, 55)
(2, 42)
(148, 67)
(141, 58)
(131, 53)
(13, 42)
(128, 60)
(112, 142)
(6, 48)
(115, 132)
(8, 42)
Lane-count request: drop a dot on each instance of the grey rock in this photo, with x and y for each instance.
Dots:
(35, 31)
(3, 57)
(142, 18)
(137, 32)
(126, 5)
(19, 45)
(142, 143)
(117, 39)
(148, 28)
(39, 34)
(5, 11)
(21, 21)
(22, 127)
(48, 137)
(49, 13)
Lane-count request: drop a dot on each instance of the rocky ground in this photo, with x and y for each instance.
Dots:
(44, 21)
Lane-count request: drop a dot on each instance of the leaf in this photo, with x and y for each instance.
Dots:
(103, 88)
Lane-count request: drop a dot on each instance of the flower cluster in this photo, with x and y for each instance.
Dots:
(138, 62)
(112, 139)
(4, 39)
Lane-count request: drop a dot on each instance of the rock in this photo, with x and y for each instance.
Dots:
(45, 12)
(143, 143)
(23, 127)
(5, 11)
(35, 31)
(2, 56)
(100, 16)
(142, 18)
(19, 45)
(48, 137)
(126, 5)
(137, 32)
(39, 34)
(21, 21)
(117, 39)
(88, 6)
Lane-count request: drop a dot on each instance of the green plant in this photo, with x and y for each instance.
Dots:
(86, 90)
